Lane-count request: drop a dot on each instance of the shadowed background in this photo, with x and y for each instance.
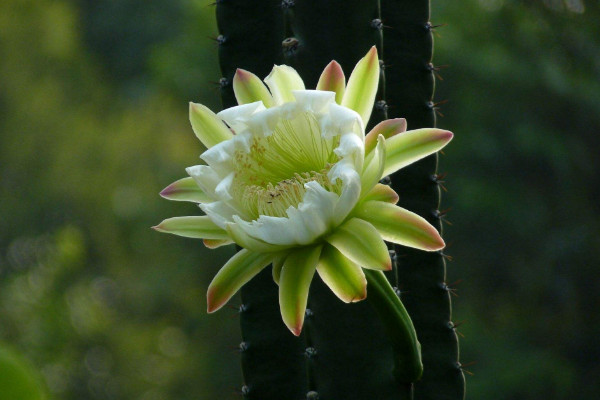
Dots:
(93, 124)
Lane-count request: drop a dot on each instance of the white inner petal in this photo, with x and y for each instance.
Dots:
(288, 175)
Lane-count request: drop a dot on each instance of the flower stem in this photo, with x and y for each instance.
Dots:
(403, 337)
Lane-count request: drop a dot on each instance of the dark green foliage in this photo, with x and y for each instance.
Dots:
(408, 49)
(18, 380)
(124, 33)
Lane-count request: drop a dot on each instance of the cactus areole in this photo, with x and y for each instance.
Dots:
(291, 178)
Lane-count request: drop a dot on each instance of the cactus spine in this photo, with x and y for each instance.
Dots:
(344, 351)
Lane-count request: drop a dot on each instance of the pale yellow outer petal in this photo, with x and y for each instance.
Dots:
(360, 242)
(344, 277)
(395, 224)
(362, 86)
(387, 129)
(197, 227)
(185, 189)
(248, 88)
(406, 148)
(373, 169)
(294, 282)
(282, 81)
(207, 126)
(333, 80)
(382, 192)
(233, 275)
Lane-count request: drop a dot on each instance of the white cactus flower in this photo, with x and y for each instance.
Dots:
(291, 177)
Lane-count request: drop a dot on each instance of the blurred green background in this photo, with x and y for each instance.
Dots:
(93, 124)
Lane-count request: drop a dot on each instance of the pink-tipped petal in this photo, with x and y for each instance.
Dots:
(360, 242)
(214, 243)
(294, 282)
(333, 80)
(362, 85)
(344, 277)
(395, 224)
(185, 189)
(197, 227)
(382, 193)
(387, 129)
(248, 88)
(411, 146)
(207, 126)
(240, 268)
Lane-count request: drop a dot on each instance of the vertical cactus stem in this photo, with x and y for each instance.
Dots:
(379, 113)
(273, 364)
(289, 45)
(355, 359)
(411, 79)
(310, 351)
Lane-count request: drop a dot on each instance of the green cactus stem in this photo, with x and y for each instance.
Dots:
(273, 364)
(347, 351)
(408, 45)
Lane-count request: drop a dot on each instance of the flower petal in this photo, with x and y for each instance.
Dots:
(219, 212)
(282, 80)
(411, 146)
(296, 275)
(185, 189)
(360, 242)
(332, 79)
(351, 146)
(373, 169)
(207, 126)
(341, 120)
(314, 101)
(237, 117)
(382, 192)
(214, 243)
(205, 177)
(198, 227)
(233, 275)
(362, 85)
(303, 225)
(248, 88)
(387, 128)
(344, 277)
(351, 186)
(264, 122)
(278, 265)
(401, 226)
(247, 241)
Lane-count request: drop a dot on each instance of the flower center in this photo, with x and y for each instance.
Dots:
(274, 200)
(271, 176)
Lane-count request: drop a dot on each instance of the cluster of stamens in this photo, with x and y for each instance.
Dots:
(275, 199)
(270, 177)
